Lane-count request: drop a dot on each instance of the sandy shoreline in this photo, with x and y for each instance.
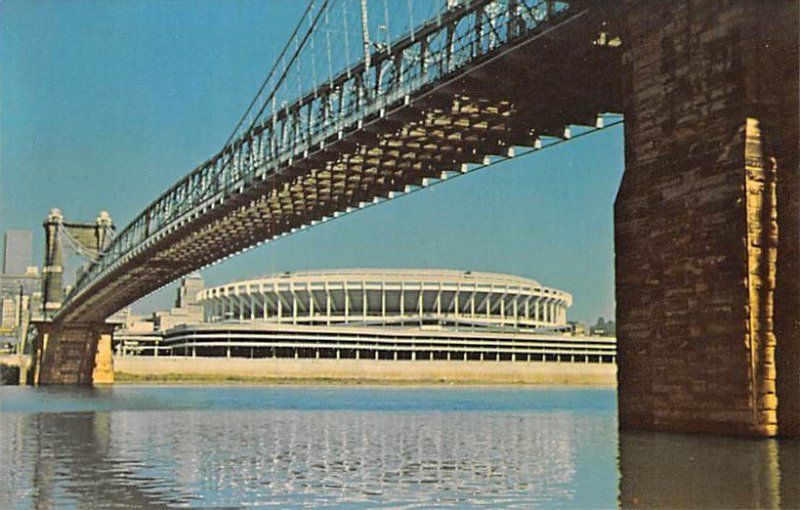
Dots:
(180, 370)
(146, 370)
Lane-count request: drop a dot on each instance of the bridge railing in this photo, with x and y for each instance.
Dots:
(463, 33)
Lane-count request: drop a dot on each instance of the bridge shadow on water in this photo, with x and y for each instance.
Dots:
(659, 470)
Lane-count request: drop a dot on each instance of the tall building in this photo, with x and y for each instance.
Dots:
(189, 288)
(17, 253)
(8, 315)
(20, 285)
(187, 308)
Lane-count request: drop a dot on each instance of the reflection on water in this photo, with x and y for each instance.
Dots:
(365, 447)
(687, 471)
(306, 447)
(64, 457)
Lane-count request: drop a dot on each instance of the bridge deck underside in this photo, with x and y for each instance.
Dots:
(532, 90)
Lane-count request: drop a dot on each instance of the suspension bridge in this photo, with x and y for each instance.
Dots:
(446, 95)
(370, 99)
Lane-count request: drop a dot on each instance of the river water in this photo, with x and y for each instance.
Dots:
(366, 447)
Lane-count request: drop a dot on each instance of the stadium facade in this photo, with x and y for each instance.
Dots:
(386, 314)
(389, 298)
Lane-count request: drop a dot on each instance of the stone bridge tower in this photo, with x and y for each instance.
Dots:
(59, 355)
(707, 219)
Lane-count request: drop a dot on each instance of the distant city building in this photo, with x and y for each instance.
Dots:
(143, 334)
(577, 328)
(30, 282)
(189, 292)
(186, 310)
(381, 314)
(135, 323)
(20, 284)
(15, 311)
(17, 252)
(8, 314)
(136, 334)
(604, 328)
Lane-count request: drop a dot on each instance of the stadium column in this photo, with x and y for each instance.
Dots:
(516, 310)
(402, 304)
(346, 303)
(707, 219)
(383, 303)
(472, 307)
(421, 307)
(327, 304)
(457, 303)
(278, 303)
(262, 296)
(310, 301)
(294, 303)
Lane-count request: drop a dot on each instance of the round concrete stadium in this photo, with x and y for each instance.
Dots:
(391, 297)
(386, 315)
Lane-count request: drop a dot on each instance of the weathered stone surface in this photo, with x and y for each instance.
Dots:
(706, 219)
(103, 372)
(68, 353)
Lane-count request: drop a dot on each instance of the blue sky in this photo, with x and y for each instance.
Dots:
(105, 104)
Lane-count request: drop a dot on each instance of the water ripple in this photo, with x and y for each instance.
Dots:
(409, 450)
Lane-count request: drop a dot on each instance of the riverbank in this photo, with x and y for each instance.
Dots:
(140, 369)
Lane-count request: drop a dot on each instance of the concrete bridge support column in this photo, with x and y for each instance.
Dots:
(73, 353)
(707, 219)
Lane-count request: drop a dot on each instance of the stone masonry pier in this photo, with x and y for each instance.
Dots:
(706, 219)
(73, 353)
